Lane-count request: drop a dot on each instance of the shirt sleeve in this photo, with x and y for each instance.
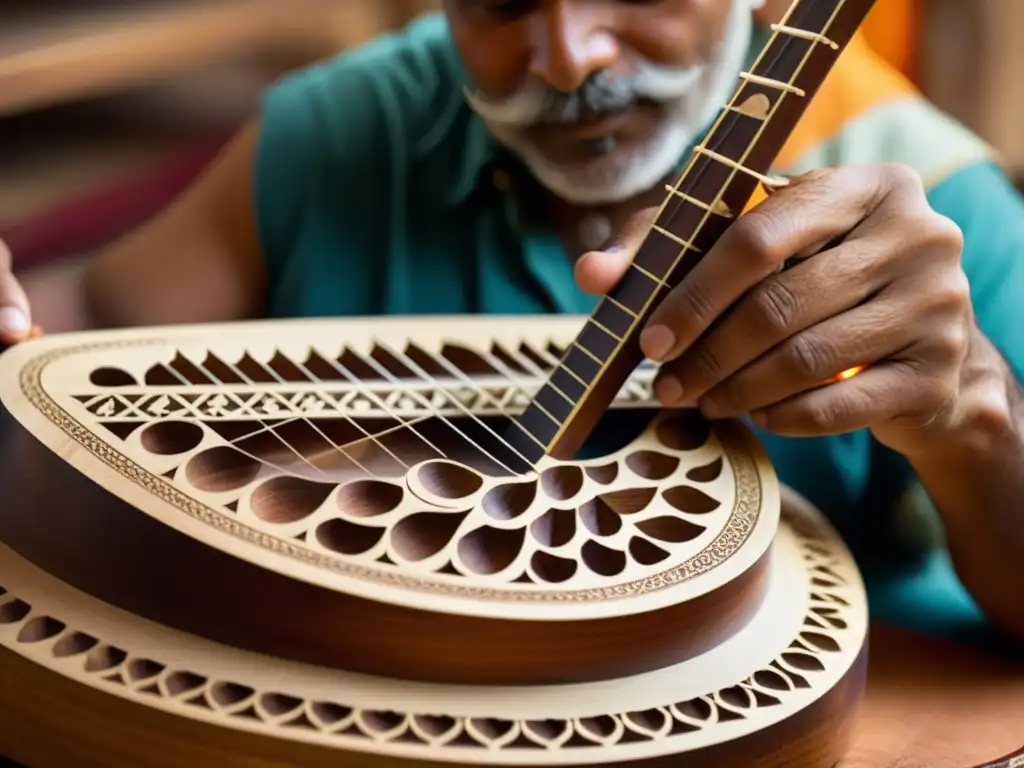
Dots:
(990, 212)
(319, 139)
(927, 595)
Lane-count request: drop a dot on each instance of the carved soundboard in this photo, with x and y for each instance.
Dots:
(299, 452)
(300, 530)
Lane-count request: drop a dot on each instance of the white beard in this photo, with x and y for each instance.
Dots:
(621, 176)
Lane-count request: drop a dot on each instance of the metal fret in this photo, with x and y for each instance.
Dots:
(736, 166)
(686, 244)
(646, 273)
(805, 35)
(597, 324)
(771, 83)
(719, 208)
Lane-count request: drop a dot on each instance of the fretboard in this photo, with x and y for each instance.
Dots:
(711, 193)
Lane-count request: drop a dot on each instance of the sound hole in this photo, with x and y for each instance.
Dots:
(171, 438)
(222, 469)
(283, 500)
(111, 377)
(369, 498)
(562, 483)
(392, 471)
(684, 430)
(425, 534)
(449, 481)
(487, 550)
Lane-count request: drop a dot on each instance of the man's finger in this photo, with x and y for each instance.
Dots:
(598, 272)
(15, 317)
(871, 397)
(808, 212)
(860, 337)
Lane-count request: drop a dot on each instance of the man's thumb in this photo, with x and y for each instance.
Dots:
(597, 272)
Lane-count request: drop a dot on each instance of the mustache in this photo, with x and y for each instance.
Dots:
(536, 103)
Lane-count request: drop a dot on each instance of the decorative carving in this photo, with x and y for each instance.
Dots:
(381, 500)
(825, 637)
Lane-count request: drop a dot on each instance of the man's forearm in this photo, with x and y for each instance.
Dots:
(974, 474)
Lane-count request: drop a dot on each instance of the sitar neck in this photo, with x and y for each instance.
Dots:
(712, 191)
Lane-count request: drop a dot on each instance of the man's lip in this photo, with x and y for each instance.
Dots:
(597, 128)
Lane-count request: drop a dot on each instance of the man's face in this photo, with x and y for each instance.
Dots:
(600, 98)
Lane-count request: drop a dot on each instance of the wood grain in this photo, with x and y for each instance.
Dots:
(935, 704)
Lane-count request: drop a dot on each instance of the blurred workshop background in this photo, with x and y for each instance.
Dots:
(109, 107)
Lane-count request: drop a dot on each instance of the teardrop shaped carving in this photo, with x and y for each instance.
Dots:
(626, 502)
(670, 529)
(221, 469)
(369, 498)
(820, 641)
(803, 661)
(509, 500)
(348, 538)
(645, 552)
(652, 465)
(424, 534)
(600, 520)
(487, 550)
(604, 474)
(171, 437)
(552, 568)
(706, 473)
(691, 500)
(449, 480)
(603, 560)
(685, 429)
(555, 528)
(285, 499)
(563, 482)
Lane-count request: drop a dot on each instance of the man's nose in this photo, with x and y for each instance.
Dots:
(571, 42)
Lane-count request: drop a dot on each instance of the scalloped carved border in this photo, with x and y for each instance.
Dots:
(741, 521)
(830, 626)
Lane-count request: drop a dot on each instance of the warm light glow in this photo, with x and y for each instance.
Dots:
(849, 373)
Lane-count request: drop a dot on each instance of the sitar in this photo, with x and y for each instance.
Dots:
(421, 541)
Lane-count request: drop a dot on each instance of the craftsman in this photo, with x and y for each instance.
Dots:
(504, 156)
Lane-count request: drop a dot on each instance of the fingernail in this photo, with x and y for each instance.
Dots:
(776, 182)
(668, 390)
(13, 320)
(657, 341)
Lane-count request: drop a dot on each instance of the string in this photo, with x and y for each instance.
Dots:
(440, 359)
(382, 404)
(242, 375)
(250, 455)
(716, 203)
(299, 418)
(433, 382)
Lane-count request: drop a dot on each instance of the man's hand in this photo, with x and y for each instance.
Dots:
(15, 315)
(875, 283)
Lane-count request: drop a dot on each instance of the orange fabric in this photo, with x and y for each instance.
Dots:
(892, 29)
(860, 81)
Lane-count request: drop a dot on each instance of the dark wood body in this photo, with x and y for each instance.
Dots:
(70, 527)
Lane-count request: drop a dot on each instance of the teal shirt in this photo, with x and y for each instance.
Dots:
(377, 193)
